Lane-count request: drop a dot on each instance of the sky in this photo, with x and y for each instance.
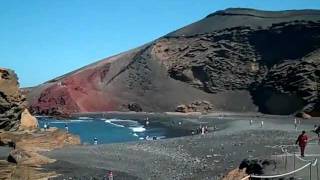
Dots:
(43, 39)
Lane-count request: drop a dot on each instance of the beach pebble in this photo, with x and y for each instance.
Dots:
(197, 160)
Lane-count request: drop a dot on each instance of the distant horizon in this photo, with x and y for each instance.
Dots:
(45, 40)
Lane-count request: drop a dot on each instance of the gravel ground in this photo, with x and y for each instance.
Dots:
(196, 157)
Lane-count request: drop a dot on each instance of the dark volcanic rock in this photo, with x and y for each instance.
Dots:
(134, 107)
(13, 112)
(255, 166)
(237, 59)
(12, 103)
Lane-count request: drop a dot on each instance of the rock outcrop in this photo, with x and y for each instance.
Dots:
(25, 158)
(27, 145)
(236, 59)
(197, 106)
(19, 130)
(13, 105)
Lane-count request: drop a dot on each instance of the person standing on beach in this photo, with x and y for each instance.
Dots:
(45, 126)
(295, 124)
(302, 141)
(317, 131)
(202, 130)
(95, 141)
(261, 124)
(66, 127)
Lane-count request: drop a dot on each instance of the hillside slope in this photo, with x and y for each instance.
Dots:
(235, 60)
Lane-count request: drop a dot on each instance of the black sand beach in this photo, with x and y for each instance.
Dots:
(196, 157)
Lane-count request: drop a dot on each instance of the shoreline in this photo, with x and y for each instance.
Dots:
(195, 157)
(173, 114)
(186, 121)
(111, 114)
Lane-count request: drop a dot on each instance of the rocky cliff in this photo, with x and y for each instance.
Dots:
(13, 112)
(236, 59)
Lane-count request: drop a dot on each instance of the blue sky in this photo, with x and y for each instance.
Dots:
(43, 39)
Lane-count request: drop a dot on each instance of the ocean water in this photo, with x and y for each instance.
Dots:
(111, 130)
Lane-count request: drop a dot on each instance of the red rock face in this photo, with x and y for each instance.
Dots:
(55, 99)
(79, 92)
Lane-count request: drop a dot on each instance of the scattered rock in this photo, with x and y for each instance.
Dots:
(182, 108)
(196, 106)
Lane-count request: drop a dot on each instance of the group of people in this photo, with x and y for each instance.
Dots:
(201, 130)
(261, 123)
(46, 126)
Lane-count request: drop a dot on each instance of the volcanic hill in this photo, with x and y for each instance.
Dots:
(232, 60)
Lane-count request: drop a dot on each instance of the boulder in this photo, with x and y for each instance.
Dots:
(255, 166)
(182, 108)
(17, 156)
(303, 115)
(134, 107)
(28, 121)
(235, 174)
(24, 157)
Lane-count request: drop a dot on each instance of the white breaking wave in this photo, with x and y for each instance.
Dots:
(68, 121)
(110, 122)
(138, 129)
(122, 120)
(85, 118)
(56, 122)
(80, 120)
(123, 123)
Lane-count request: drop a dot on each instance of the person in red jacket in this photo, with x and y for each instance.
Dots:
(302, 140)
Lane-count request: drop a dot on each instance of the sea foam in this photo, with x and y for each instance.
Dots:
(114, 124)
(138, 129)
